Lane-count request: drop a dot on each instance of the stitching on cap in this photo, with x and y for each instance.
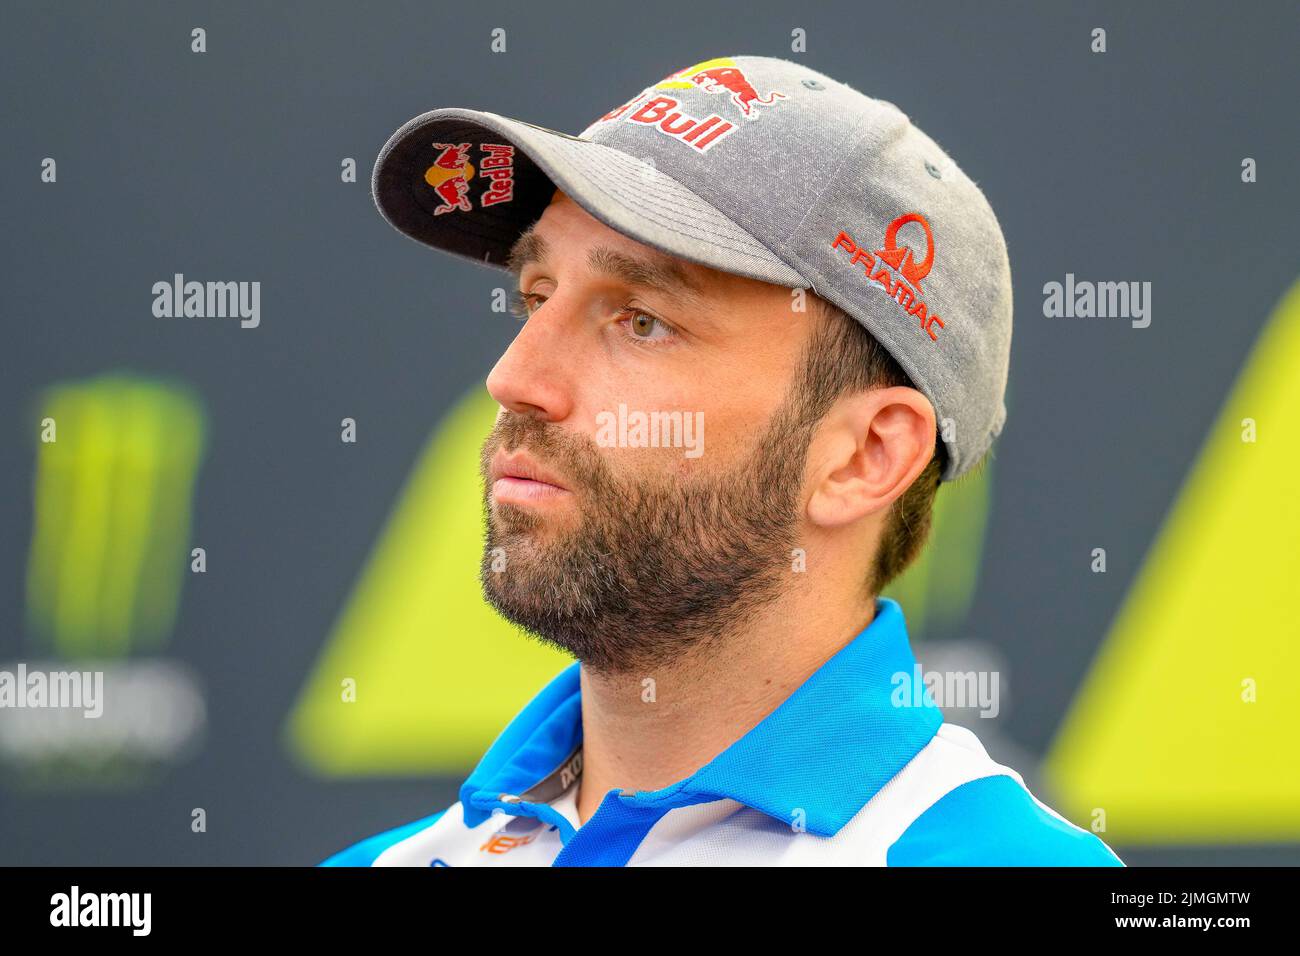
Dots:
(672, 214)
(665, 194)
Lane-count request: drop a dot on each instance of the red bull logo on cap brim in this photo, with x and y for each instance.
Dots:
(451, 174)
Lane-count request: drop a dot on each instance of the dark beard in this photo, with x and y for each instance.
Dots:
(655, 566)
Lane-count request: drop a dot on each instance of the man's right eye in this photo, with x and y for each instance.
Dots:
(525, 304)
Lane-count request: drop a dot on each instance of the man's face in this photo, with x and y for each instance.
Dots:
(625, 554)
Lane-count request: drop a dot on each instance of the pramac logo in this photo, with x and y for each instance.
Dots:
(895, 270)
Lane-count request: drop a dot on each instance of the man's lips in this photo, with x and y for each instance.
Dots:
(517, 478)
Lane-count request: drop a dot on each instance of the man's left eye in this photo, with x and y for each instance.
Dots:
(642, 325)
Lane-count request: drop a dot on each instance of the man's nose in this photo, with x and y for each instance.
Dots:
(534, 375)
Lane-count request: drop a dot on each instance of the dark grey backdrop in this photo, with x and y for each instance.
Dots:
(226, 165)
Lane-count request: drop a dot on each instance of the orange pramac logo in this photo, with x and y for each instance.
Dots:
(895, 271)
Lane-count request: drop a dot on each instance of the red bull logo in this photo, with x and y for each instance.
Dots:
(498, 166)
(451, 173)
(449, 176)
(894, 269)
(731, 80)
(667, 114)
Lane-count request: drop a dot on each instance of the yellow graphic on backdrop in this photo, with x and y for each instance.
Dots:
(438, 673)
(1164, 736)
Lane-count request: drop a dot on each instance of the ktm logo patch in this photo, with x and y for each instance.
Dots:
(895, 270)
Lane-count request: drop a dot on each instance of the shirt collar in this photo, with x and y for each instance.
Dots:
(817, 759)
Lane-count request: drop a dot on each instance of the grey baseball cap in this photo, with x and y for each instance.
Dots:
(760, 167)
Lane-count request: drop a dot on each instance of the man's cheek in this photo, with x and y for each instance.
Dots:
(668, 432)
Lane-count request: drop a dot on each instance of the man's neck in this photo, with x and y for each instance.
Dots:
(645, 731)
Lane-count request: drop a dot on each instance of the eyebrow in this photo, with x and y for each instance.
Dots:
(658, 271)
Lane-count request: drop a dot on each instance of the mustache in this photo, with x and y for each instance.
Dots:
(575, 457)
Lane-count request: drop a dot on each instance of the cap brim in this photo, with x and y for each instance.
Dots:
(625, 193)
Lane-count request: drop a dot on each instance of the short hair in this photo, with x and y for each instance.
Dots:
(841, 358)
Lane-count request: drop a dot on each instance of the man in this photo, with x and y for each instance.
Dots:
(764, 317)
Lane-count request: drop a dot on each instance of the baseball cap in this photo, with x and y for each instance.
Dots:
(759, 167)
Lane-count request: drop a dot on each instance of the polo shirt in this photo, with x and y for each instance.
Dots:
(848, 770)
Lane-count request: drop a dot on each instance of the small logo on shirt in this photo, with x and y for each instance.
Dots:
(501, 843)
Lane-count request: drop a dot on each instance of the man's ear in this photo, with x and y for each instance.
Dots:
(869, 449)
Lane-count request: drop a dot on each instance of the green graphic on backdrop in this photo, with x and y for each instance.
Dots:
(112, 512)
(937, 590)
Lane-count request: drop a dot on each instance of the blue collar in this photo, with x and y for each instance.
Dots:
(816, 759)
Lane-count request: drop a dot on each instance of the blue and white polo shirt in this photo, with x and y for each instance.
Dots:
(840, 774)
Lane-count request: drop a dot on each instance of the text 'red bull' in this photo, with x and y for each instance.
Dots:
(663, 114)
(498, 166)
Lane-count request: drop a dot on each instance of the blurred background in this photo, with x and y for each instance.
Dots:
(180, 508)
